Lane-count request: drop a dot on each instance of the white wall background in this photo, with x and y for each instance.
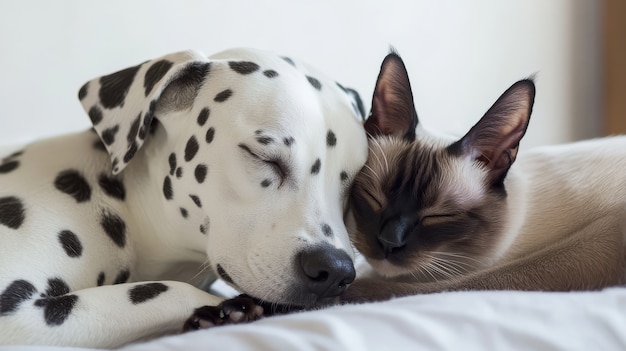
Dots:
(461, 55)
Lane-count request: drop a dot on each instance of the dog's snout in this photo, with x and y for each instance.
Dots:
(326, 270)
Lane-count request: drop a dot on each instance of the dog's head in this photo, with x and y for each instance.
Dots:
(252, 156)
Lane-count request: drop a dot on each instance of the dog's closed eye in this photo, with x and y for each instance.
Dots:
(277, 164)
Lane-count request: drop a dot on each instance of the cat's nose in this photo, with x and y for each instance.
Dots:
(394, 235)
(327, 270)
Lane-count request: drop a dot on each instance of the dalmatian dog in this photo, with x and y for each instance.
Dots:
(234, 166)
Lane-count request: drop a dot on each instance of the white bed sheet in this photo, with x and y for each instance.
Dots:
(490, 320)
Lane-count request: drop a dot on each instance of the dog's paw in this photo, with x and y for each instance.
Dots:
(241, 309)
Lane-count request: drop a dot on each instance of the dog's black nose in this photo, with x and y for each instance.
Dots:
(327, 270)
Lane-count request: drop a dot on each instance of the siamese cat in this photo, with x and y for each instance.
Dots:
(435, 214)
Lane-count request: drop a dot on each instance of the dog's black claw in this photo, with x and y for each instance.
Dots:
(241, 309)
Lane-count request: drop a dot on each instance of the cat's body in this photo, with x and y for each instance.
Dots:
(434, 214)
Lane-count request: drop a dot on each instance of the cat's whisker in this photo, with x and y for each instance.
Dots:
(203, 268)
(382, 152)
(371, 152)
(441, 269)
(373, 173)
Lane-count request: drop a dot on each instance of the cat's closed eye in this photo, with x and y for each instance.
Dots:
(437, 219)
(374, 203)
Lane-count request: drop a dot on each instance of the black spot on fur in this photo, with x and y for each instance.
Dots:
(288, 60)
(343, 176)
(122, 277)
(196, 200)
(315, 169)
(331, 139)
(223, 96)
(179, 172)
(183, 212)
(200, 172)
(172, 162)
(95, 115)
(243, 67)
(115, 86)
(114, 227)
(168, 192)
(9, 166)
(270, 73)
(155, 73)
(101, 278)
(131, 152)
(134, 129)
(314, 82)
(108, 135)
(16, 293)
(288, 141)
(83, 91)
(142, 133)
(56, 303)
(70, 243)
(210, 134)
(73, 183)
(12, 212)
(202, 229)
(266, 182)
(222, 273)
(327, 230)
(191, 149)
(57, 309)
(144, 292)
(112, 187)
(203, 116)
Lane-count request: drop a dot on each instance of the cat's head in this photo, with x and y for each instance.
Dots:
(428, 206)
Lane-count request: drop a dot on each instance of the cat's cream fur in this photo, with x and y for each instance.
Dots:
(552, 218)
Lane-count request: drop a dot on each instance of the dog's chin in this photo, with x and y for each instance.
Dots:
(303, 304)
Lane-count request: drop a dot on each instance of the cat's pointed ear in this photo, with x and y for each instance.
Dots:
(393, 112)
(494, 140)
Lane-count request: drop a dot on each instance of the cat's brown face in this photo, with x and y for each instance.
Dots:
(420, 210)
(426, 206)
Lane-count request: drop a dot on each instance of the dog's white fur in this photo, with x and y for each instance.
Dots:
(253, 232)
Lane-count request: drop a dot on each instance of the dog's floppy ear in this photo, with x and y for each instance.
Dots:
(122, 105)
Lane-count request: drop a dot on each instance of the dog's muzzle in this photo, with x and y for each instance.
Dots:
(324, 271)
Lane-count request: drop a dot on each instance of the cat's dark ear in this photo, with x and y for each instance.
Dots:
(494, 140)
(393, 112)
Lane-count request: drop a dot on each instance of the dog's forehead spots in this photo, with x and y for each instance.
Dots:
(144, 292)
(288, 141)
(95, 115)
(331, 139)
(191, 149)
(265, 183)
(82, 93)
(168, 192)
(200, 172)
(184, 212)
(155, 73)
(270, 73)
(100, 280)
(72, 183)
(204, 227)
(122, 277)
(179, 172)
(196, 200)
(112, 187)
(203, 116)
(343, 176)
(114, 87)
(16, 293)
(223, 95)
(108, 135)
(315, 169)
(114, 227)
(288, 60)
(243, 67)
(9, 166)
(314, 82)
(210, 134)
(70, 243)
